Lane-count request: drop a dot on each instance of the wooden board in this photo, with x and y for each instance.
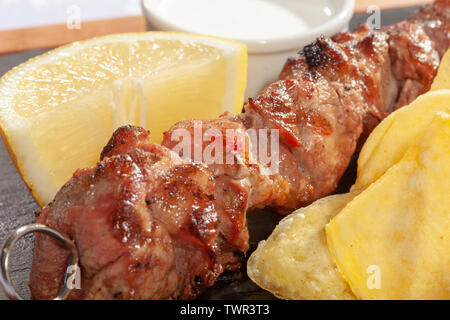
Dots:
(362, 5)
(53, 36)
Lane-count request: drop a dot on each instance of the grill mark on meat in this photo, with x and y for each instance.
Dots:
(313, 53)
(367, 45)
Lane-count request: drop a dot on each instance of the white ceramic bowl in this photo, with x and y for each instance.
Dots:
(267, 50)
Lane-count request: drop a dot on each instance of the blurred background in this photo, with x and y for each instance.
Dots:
(40, 24)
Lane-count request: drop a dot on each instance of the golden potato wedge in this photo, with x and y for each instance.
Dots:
(442, 80)
(294, 262)
(389, 141)
(392, 241)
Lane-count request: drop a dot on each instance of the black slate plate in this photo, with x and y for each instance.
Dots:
(17, 206)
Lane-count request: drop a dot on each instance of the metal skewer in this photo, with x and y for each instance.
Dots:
(5, 278)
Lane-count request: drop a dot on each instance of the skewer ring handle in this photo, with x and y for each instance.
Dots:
(5, 278)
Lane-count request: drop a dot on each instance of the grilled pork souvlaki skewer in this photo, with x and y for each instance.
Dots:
(150, 224)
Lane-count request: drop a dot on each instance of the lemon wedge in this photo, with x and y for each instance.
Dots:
(58, 110)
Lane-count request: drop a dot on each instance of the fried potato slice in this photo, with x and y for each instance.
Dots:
(442, 80)
(295, 262)
(390, 140)
(392, 241)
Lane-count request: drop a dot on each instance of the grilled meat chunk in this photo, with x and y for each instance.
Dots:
(415, 61)
(434, 19)
(332, 96)
(144, 223)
